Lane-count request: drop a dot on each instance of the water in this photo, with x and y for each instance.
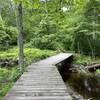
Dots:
(88, 85)
(81, 81)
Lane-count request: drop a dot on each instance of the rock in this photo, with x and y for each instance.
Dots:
(8, 63)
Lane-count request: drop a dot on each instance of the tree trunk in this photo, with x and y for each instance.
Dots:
(20, 37)
(0, 17)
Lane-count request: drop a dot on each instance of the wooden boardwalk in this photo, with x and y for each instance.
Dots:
(42, 81)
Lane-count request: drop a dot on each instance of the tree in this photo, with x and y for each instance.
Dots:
(20, 37)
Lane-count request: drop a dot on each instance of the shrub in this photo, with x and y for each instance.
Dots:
(8, 36)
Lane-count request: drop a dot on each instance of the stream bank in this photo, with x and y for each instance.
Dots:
(82, 84)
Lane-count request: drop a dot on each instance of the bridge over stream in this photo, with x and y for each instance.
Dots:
(41, 81)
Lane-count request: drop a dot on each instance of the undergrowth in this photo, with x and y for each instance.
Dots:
(8, 76)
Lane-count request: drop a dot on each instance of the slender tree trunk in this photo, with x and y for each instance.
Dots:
(0, 16)
(20, 37)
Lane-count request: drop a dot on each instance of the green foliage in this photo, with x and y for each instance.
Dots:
(76, 29)
(82, 59)
(9, 76)
(87, 33)
(4, 74)
(48, 36)
(33, 53)
(4, 79)
(8, 36)
(86, 39)
(36, 54)
(98, 71)
(47, 26)
(85, 60)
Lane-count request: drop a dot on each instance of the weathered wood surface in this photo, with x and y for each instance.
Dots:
(42, 81)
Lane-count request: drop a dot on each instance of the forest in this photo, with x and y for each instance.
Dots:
(32, 30)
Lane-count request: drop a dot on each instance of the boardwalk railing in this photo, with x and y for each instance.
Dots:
(42, 81)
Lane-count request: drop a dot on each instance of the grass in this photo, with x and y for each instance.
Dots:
(29, 52)
(98, 71)
(5, 81)
(9, 76)
(85, 60)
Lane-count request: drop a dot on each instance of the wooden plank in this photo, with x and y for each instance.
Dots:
(56, 59)
(42, 81)
(40, 98)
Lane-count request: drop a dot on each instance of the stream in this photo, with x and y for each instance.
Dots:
(86, 85)
(82, 84)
